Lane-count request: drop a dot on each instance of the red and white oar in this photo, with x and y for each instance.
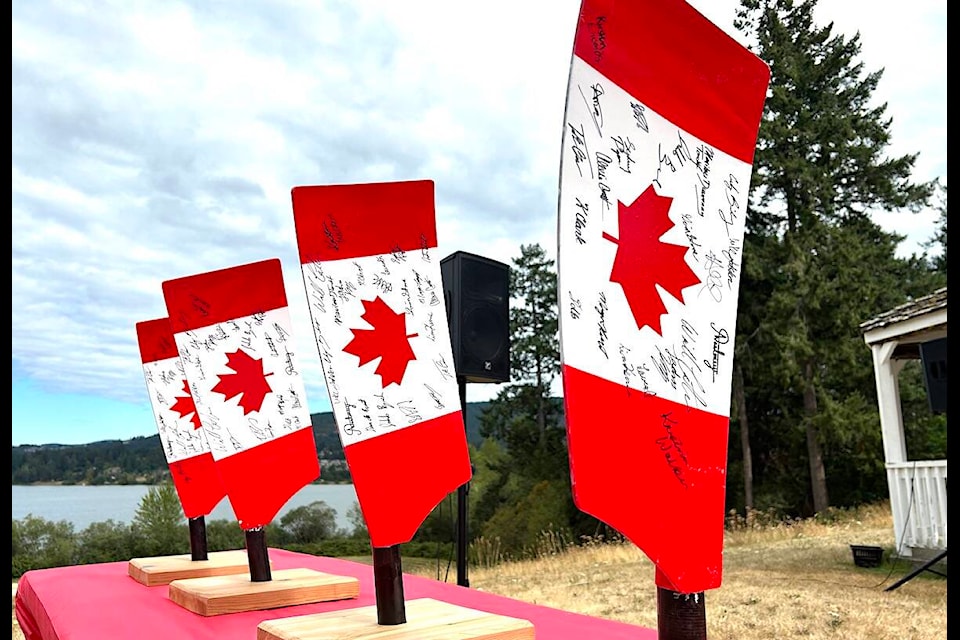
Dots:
(662, 114)
(373, 285)
(185, 447)
(234, 334)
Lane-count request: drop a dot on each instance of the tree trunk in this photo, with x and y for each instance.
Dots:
(818, 476)
(740, 405)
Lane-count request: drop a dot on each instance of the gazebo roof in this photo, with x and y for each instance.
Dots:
(910, 322)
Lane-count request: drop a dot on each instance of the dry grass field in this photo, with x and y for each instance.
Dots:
(794, 580)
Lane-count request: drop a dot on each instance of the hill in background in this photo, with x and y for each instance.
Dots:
(140, 460)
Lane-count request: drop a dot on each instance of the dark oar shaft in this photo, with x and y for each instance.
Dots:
(462, 491)
(257, 556)
(388, 584)
(680, 616)
(198, 538)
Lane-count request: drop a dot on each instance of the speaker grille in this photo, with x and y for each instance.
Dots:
(483, 331)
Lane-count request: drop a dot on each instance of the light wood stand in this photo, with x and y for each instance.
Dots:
(217, 595)
(427, 619)
(165, 569)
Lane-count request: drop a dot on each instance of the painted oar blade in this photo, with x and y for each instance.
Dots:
(234, 335)
(373, 285)
(662, 115)
(187, 452)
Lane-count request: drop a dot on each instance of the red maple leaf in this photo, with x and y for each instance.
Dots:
(388, 340)
(249, 382)
(185, 406)
(643, 261)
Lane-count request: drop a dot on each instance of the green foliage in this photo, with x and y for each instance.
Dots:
(159, 524)
(226, 535)
(358, 524)
(522, 478)
(106, 541)
(40, 544)
(489, 476)
(415, 549)
(531, 428)
(334, 547)
(310, 523)
(816, 265)
(820, 150)
(938, 243)
(440, 524)
(534, 327)
(519, 526)
(924, 432)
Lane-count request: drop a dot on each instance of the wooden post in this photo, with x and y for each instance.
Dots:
(257, 555)
(680, 616)
(388, 585)
(198, 538)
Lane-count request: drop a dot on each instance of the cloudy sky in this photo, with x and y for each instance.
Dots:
(155, 140)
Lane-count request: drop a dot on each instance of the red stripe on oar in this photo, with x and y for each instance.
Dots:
(262, 479)
(424, 463)
(680, 65)
(197, 482)
(655, 471)
(328, 226)
(218, 296)
(156, 341)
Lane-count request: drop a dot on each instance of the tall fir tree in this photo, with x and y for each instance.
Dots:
(821, 263)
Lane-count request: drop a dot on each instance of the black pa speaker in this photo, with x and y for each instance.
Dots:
(933, 356)
(477, 294)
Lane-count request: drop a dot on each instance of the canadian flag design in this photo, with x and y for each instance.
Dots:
(661, 121)
(373, 285)
(187, 452)
(234, 335)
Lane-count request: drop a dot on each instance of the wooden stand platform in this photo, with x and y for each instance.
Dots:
(236, 593)
(427, 619)
(165, 569)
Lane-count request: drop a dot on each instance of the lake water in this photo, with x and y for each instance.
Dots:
(84, 505)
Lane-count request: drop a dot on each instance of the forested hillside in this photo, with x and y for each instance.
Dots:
(140, 460)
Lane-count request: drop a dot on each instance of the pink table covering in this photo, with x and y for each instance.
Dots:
(101, 602)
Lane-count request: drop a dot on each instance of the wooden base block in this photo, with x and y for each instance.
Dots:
(427, 619)
(165, 569)
(235, 593)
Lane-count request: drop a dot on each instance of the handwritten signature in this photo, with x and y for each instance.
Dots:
(672, 449)
(720, 338)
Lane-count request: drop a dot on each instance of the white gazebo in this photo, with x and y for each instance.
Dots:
(918, 488)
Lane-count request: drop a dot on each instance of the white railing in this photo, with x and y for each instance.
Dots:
(918, 498)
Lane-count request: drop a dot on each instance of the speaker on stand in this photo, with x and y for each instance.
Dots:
(477, 295)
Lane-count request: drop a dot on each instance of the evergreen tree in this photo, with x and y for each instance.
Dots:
(939, 240)
(534, 327)
(819, 171)
(159, 523)
(524, 415)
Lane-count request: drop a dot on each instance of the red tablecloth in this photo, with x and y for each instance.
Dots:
(101, 602)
